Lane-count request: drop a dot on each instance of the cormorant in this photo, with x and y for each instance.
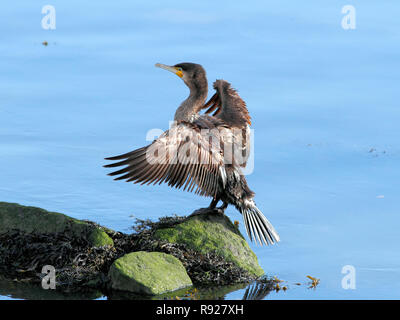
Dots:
(202, 153)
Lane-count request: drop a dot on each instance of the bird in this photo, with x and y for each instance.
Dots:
(202, 153)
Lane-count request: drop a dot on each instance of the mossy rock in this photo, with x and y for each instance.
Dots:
(149, 273)
(39, 221)
(208, 232)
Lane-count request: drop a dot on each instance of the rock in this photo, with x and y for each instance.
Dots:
(148, 273)
(156, 260)
(39, 221)
(213, 232)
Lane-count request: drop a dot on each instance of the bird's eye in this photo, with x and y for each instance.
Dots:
(179, 69)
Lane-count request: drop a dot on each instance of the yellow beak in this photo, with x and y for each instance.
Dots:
(170, 68)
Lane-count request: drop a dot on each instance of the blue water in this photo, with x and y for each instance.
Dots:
(324, 104)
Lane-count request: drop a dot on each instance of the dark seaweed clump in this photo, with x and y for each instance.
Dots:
(79, 265)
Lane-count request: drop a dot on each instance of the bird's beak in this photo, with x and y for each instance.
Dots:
(170, 68)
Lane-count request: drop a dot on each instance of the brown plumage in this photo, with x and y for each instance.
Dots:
(202, 153)
(180, 157)
(237, 114)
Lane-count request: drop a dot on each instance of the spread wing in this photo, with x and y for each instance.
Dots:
(230, 108)
(182, 156)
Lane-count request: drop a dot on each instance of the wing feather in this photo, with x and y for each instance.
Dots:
(181, 156)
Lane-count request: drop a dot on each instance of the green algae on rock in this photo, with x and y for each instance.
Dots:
(206, 232)
(39, 221)
(204, 249)
(149, 273)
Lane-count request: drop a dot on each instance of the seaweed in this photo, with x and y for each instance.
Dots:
(81, 266)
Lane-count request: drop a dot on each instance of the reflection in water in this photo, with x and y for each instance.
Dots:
(258, 290)
(18, 290)
(193, 293)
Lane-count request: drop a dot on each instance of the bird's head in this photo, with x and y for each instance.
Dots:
(192, 74)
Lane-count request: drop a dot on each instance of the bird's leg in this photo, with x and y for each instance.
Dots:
(213, 203)
(220, 209)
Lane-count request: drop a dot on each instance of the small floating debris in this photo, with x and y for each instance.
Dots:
(375, 152)
(276, 280)
(45, 43)
(277, 287)
(314, 282)
(189, 295)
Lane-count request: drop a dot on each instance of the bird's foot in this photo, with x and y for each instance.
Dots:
(215, 211)
(221, 209)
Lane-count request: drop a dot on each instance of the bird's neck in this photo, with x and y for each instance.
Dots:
(189, 109)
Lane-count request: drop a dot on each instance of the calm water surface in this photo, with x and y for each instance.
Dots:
(324, 103)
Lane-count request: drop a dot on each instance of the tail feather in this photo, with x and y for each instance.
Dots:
(246, 223)
(257, 225)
